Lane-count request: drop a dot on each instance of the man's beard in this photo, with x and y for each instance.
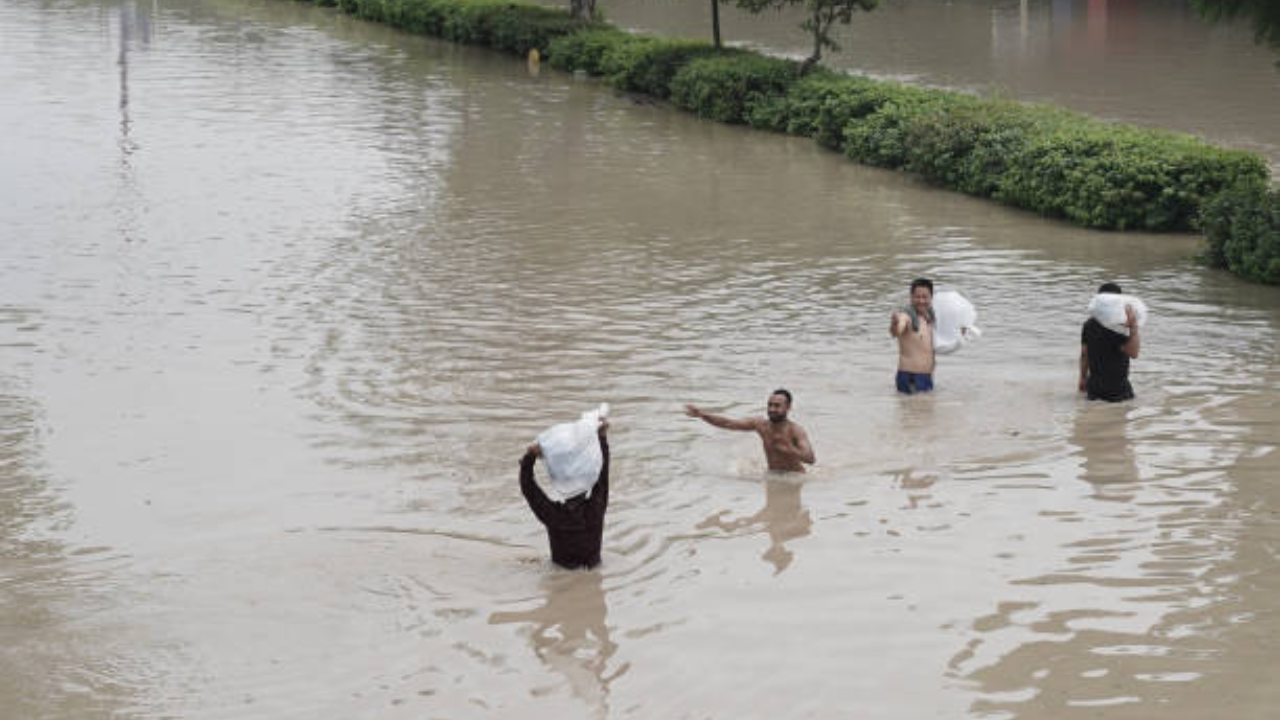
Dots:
(777, 417)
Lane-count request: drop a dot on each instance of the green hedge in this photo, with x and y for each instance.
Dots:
(729, 85)
(1051, 161)
(648, 65)
(1054, 162)
(1242, 230)
(514, 27)
(585, 50)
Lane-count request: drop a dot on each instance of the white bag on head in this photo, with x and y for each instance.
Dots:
(572, 454)
(1108, 309)
(954, 322)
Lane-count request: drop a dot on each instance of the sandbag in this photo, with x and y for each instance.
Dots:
(954, 324)
(571, 452)
(1108, 309)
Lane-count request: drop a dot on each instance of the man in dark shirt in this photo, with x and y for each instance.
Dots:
(576, 525)
(1105, 355)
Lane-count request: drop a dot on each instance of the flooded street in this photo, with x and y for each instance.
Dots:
(285, 295)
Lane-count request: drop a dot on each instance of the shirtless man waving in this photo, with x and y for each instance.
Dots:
(913, 326)
(786, 445)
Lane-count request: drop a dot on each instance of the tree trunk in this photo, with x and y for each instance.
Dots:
(715, 22)
(582, 9)
(813, 59)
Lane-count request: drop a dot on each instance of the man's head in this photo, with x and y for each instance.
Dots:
(921, 294)
(779, 404)
(1110, 289)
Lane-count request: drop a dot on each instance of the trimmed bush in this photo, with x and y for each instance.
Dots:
(826, 106)
(967, 145)
(514, 27)
(1242, 231)
(796, 113)
(1115, 177)
(647, 65)
(727, 86)
(584, 50)
(878, 133)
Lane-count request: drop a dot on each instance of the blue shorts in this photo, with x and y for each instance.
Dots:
(912, 383)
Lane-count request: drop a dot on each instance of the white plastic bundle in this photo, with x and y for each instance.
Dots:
(1108, 309)
(955, 322)
(571, 452)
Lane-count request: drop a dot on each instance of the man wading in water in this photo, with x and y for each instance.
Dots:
(576, 525)
(913, 326)
(1105, 355)
(786, 445)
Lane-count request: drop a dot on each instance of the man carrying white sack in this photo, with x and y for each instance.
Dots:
(1105, 353)
(576, 525)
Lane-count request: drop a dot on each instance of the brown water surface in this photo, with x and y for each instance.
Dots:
(286, 294)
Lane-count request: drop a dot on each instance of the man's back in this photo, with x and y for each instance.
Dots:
(574, 527)
(1108, 364)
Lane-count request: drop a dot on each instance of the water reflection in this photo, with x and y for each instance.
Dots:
(570, 634)
(1120, 614)
(1108, 462)
(134, 32)
(783, 517)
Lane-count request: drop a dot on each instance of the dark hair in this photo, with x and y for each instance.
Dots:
(784, 393)
(922, 282)
(1111, 288)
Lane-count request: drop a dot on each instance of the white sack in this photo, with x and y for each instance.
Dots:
(1108, 309)
(571, 452)
(954, 326)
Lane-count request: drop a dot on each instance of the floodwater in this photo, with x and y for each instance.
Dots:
(284, 296)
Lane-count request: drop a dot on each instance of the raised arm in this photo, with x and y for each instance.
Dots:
(599, 499)
(720, 421)
(898, 322)
(1133, 345)
(538, 501)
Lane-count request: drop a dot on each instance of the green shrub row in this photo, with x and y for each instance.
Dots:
(730, 86)
(514, 27)
(1242, 231)
(1056, 163)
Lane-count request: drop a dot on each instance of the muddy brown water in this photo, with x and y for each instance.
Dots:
(286, 294)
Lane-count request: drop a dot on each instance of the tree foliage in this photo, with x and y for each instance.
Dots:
(820, 17)
(1264, 14)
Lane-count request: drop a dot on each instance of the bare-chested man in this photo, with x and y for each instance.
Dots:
(786, 445)
(913, 326)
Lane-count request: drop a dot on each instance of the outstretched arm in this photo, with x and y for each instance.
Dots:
(721, 421)
(898, 323)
